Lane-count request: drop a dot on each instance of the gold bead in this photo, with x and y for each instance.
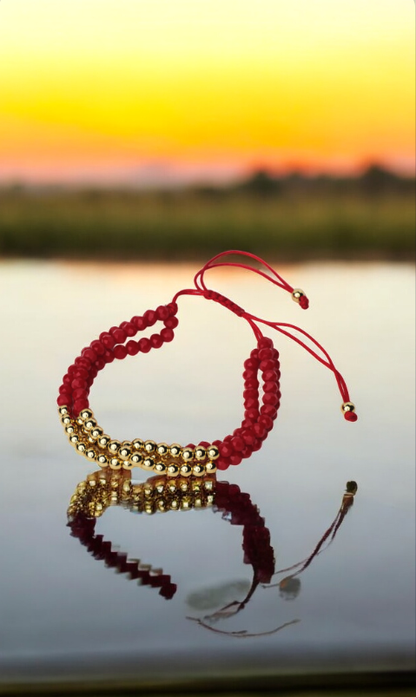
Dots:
(347, 406)
(96, 432)
(198, 470)
(70, 429)
(103, 441)
(188, 454)
(297, 294)
(127, 465)
(136, 459)
(213, 452)
(113, 446)
(90, 424)
(80, 447)
(137, 444)
(86, 414)
(66, 420)
(63, 410)
(102, 460)
(211, 467)
(162, 449)
(115, 463)
(175, 450)
(200, 453)
(150, 447)
(173, 470)
(160, 467)
(90, 454)
(74, 439)
(124, 451)
(186, 470)
(149, 463)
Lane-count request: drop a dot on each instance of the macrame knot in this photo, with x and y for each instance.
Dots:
(304, 302)
(226, 302)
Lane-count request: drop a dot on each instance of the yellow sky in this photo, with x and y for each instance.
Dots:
(102, 87)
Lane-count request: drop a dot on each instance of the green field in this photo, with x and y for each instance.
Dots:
(193, 224)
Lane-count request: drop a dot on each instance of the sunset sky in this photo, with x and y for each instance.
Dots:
(143, 90)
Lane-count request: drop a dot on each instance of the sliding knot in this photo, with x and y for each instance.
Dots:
(226, 302)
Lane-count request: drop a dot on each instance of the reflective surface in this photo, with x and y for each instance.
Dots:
(67, 616)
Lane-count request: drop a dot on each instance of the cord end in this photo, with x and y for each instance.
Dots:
(299, 297)
(348, 409)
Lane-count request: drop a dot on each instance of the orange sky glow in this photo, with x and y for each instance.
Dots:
(137, 90)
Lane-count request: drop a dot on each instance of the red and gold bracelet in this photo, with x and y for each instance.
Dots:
(173, 460)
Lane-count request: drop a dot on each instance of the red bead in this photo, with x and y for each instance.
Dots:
(156, 341)
(144, 345)
(118, 334)
(250, 374)
(250, 394)
(265, 342)
(120, 352)
(162, 312)
(80, 404)
(247, 423)
(129, 328)
(246, 452)
(150, 317)
(63, 399)
(256, 445)
(225, 449)
(251, 364)
(259, 430)
(83, 362)
(252, 413)
(267, 364)
(266, 421)
(250, 403)
(67, 379)
(237, 443)
(139, 322)
(237, 432)
(81, 373)
(252, 384)
(107, 340)
(78, 382)
(235, 459)
(269, 375)
(254, 353)
(132, 347)
(64, 388)
(109, 356)
(222, 463)
(271, 398)
(173, 308)
(249, 437)
(100, 363)
(97, 347)
(270, 386)
(171, 322)
(265, 353)
(79, 394)
(90, 354)
(269, 410)
(167, 334)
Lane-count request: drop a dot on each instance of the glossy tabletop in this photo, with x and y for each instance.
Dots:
(272, 574)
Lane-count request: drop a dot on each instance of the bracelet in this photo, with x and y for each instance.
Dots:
(90, 440)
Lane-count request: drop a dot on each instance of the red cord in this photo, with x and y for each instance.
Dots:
(202, 290)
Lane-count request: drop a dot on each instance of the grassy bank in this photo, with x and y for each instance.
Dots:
(127, 225)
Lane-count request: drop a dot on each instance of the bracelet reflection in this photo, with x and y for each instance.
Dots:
(160, 494)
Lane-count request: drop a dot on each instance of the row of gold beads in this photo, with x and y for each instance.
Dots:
(159, 494)
(89, 440)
